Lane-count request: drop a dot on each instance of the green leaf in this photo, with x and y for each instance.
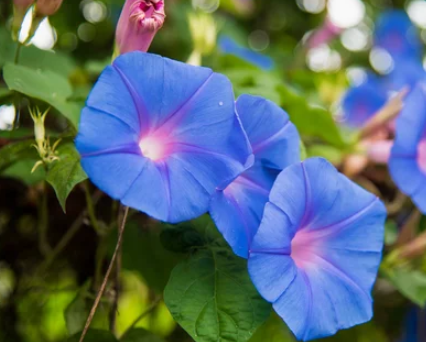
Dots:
(211, 296)
(391, 232)
(22, 170)
(94, 335)
(310, 120)
(143, 250)
(34, 57)
(140, 335)
(411, 284)
(331, 153)
(15, 152)
(65, 173)
(46, 86)
(78, 310)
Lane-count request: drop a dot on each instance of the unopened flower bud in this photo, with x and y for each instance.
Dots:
(46, 8)
(39, 130)
(139, 22)
(20, 8)
(204, 33)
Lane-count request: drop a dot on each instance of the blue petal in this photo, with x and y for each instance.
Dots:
(332, 230)
(113, 173)
(170, 192)
(111, 96)
(410, 130)
(395, 33)
(185, 114)
(362, 102)
(274, 139)
(411, 123)
(160, 87)
(238, 209)
(406, 74)
(115, 134)
(229, 46)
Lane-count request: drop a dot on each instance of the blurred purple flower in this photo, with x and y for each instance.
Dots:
(161, 136)
(408, 156)
(318, 249)
(395, 33)
(229, 46)
(360, 103)
(139, 22)
(237, 210)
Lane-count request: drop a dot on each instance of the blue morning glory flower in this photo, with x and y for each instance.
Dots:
(361, 102)
(406, 73)
(396, 34)
(407, 163)
(237, 210)
(161, 136)
(229, 46)
(318, 249)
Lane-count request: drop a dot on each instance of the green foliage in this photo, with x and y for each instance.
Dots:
(411, 284)
(65, 173)
(273, 330)
(211, 296)
(14, 152)
(47, 86)
(145, 244)
(94, 335)
(140, 335)
(33, 57)
(311, 121)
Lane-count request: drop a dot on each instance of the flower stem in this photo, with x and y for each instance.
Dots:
(43, 224)
(17, 52)
(105, 281)
(75, 227)
(91, 209)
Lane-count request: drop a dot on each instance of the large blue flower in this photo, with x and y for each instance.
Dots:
(396, 34)
(408, 157)
(318, 249)
(229, 46)
(161, 136)
(237, 210)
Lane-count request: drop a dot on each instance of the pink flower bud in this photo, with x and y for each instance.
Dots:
(139, 22)
(46, 8)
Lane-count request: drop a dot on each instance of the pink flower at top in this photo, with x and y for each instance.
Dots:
(139, 22)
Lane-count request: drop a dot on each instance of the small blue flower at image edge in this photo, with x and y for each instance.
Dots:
(407, 163)
(161, 136)
(318, 249)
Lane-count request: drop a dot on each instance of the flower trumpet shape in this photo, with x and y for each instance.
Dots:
(407, 163)
(237, 210)
(139, 22)
(161, 136)
(318, 249)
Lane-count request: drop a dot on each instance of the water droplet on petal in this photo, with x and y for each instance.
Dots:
(220, 103)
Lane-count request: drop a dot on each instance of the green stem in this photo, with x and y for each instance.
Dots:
(91, 210)
(105, 281)
(18, 52)
(43, 224)
(75, 227)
